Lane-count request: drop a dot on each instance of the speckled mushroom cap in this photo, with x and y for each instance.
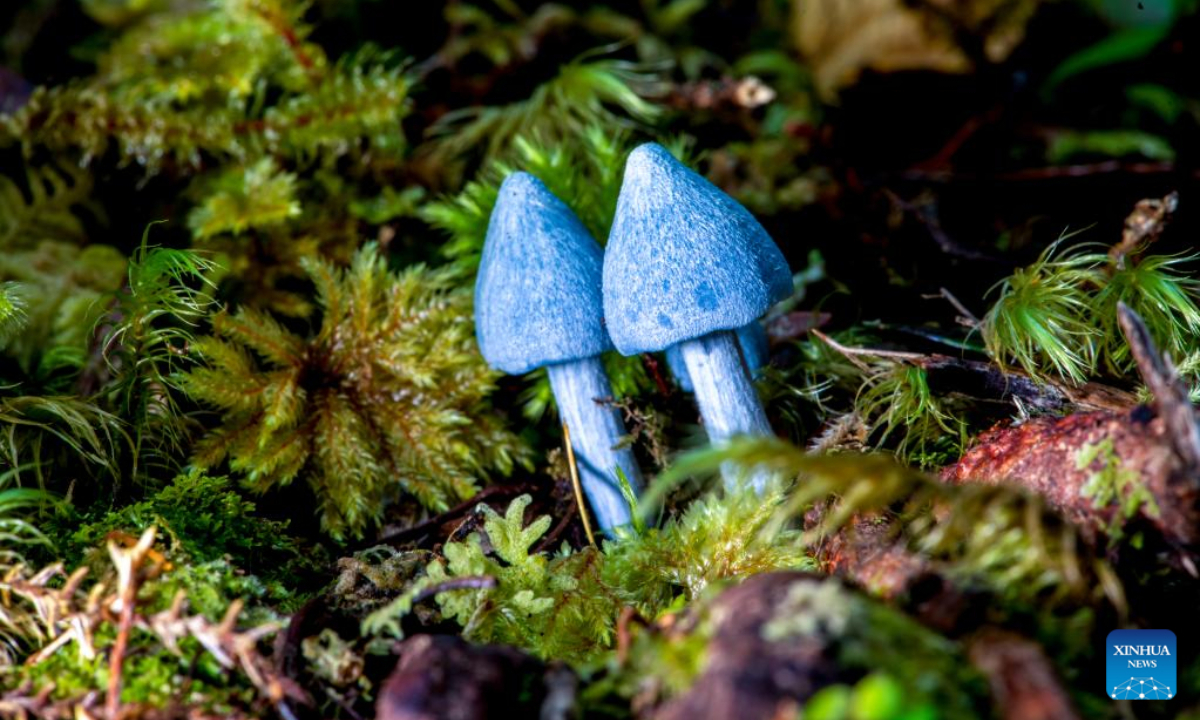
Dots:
(537, 296)
(683, 259)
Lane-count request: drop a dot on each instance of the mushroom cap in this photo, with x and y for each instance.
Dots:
(683, 259)
(537, 296)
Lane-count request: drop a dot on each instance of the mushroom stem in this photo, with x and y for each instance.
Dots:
(752, 339)
(678, 368)
(727, 399)
(595, 430)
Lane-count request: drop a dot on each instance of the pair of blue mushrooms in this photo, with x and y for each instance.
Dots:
(687, 271)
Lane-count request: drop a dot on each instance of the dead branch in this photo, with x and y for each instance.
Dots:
(1170, 393)
(1107, 469)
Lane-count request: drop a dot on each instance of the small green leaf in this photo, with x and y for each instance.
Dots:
(1069, 145)
(1121, 46)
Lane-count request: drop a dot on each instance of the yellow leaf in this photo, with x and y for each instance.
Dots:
(841, 38)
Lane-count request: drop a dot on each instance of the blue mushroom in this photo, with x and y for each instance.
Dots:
(752, 340)
(538, 304)
(686, 267)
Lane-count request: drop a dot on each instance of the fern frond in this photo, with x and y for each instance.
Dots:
(65, 290)
(164, 98)
(585, 93)
(47, 208)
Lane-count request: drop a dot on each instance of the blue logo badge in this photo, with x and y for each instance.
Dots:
(1141, 665)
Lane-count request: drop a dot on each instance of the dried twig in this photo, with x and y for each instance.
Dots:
(128, 562)
(853, 353)
(1170, 393)
(467, 582)
(66, 615)
(727, 93)
(583, 514)
(1055, 172)
(968, 318)
(926, 213)
(1143, 226)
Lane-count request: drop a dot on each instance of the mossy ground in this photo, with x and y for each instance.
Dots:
(238, 240)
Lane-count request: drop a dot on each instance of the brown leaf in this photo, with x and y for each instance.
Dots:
(841, 38)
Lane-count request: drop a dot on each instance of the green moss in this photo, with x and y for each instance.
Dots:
(12, 313)
(152, 675)
(871, 636)
(241, 198)
(715, 538)
(389, 396)
(162, 96)
(46, 207)
(65, 289)
(565, 605)
(905, 667)
(896, 403)
(190, 651)
(554, 606)
(1043, 317)
(1162, 290)
(582, 95)
(1060, 314)
(222, 549)
(202, 514)
(1113, 484)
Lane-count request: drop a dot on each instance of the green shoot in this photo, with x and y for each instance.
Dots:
(897, 397)
(17, 505)
(639, 523)
(167, 294)
(12, 313)
(1161, 294)
(585, 93)
(1043, 318)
